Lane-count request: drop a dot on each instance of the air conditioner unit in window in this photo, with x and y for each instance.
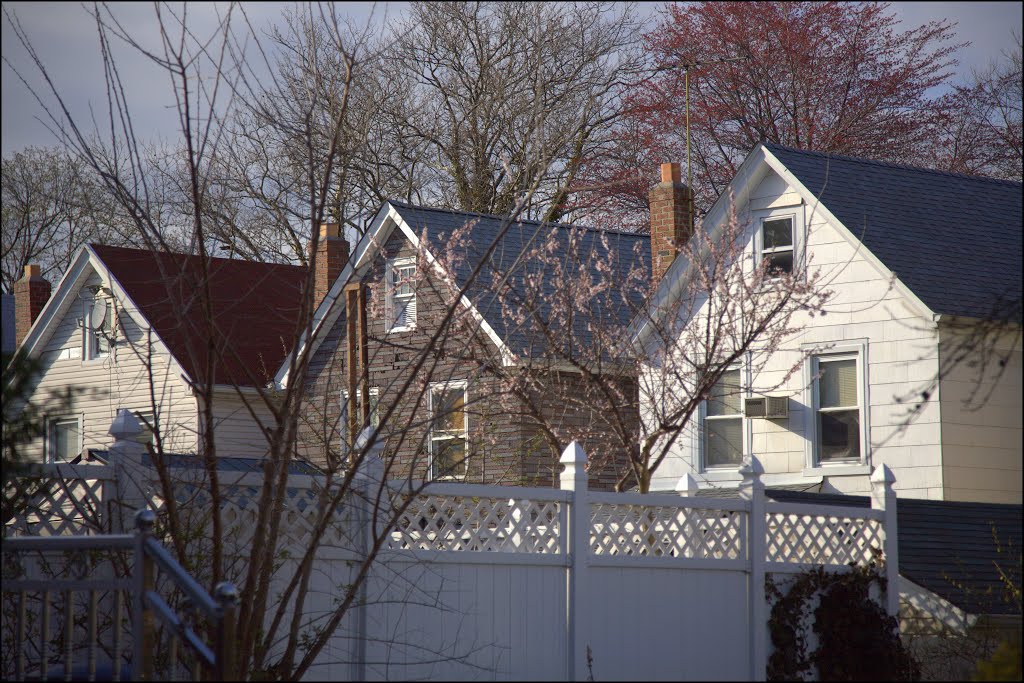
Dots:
(769, 407)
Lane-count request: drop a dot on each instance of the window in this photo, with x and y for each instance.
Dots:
(777, 245)
(65, 439)
(374, 400)
(723, 423)
(448, 430)
(400, 301)
(99, 325)
(837, 409)
(148, 422)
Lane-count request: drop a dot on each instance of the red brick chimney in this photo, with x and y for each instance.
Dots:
(671, 219)
(30, 295)
(331, 257)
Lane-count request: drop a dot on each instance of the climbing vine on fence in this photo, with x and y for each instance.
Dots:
(856, 638)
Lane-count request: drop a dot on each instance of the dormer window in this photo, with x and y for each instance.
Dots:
(400, 302)
(777, 245)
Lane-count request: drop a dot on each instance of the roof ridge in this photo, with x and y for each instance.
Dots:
(574, 226)
(889, 164)
(94, 245)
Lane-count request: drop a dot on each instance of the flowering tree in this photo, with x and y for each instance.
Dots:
(831, 76)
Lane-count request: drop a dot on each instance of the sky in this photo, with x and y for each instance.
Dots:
(66, 42)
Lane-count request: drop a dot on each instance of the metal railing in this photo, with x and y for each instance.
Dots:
(165, 641)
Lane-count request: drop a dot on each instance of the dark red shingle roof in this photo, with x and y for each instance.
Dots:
(255, 309)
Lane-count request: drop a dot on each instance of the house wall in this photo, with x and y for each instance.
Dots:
(122, 380)
(901, 347)
(237, 433)
(507, 445)
(981, 419)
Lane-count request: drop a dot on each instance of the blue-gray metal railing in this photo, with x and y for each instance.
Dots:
(148, 609)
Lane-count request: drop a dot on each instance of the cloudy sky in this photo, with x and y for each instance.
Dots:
(65, 40)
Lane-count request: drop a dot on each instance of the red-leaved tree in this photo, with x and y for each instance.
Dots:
(834, 76)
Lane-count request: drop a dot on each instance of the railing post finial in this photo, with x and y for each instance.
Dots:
(574, 462)
(145, 519)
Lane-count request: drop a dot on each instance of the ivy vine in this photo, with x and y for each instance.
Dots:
(856, 638)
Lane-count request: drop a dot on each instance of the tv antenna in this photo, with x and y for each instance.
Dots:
(686, 66)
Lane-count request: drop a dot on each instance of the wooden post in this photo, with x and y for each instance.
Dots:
(226, 596)
(883, 498)
(577, 545)
(352, 363)
(752, 490)
(144, 575)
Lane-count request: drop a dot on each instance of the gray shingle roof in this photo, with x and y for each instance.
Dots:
(954, 240)
(626, 251)
(949, 547)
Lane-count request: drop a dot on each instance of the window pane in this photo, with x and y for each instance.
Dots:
(403, 277)
(448, 457)
(402, 309)
(724, 439)
(780, 262)
(449, 410)
(840, 435)
(778, 233)
(838, 383)
(725, 395)
(65, 440)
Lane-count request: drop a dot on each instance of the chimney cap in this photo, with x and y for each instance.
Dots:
(330, 230)
(31, 270)
(670, 173)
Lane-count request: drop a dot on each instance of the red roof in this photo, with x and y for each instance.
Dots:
(255, 309)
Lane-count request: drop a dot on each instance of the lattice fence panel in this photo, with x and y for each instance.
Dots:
(666, 531)
(71, 506)
(822, 539)
(478, 524)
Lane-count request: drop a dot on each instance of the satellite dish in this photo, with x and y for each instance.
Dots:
(99, 313)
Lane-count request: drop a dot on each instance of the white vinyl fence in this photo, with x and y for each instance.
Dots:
(500, 583)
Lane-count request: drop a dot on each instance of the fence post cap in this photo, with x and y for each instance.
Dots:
(125, 426)
(226, 593)
(145, 519)
(751, 467)
(883, 475)
(573, 455)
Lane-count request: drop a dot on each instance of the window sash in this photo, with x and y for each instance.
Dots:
(449, 431)
(723, 412)
(777, 253)
(838, 424)
(65, 439)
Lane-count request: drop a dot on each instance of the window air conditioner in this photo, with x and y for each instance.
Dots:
(769, 407)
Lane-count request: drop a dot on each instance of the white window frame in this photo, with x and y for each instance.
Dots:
(727, 470)
(374, 405)
(390, 283)
(798, 227)
(847, 350)
(51, 441)
(446, 386)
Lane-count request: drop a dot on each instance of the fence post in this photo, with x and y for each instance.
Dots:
(577, 546)
(752, 490)
(144, 577)
(687, 486)
(125, 457)
(883, 498)
(368, 482)
(226, 596)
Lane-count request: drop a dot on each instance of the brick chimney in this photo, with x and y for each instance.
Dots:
(30, 295)
(331, 257)
(671, 219)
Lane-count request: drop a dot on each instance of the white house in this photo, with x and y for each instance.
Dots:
(125, 329)
(917, 362)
